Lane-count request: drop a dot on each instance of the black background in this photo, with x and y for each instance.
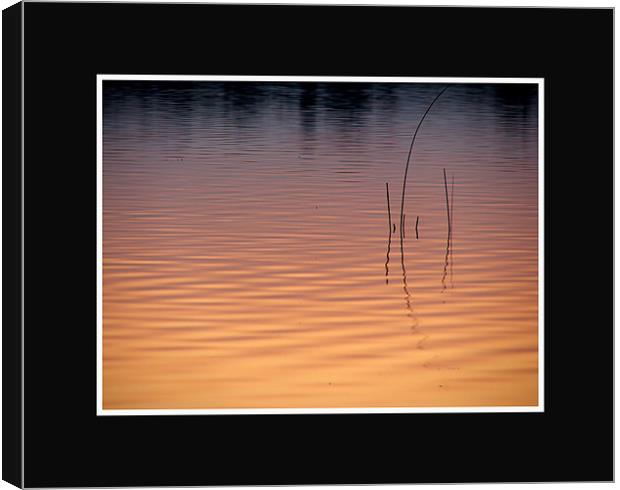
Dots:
(66, 45)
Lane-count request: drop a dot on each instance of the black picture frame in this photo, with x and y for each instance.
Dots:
(52, 436)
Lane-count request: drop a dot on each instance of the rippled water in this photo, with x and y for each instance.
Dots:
(248, 261)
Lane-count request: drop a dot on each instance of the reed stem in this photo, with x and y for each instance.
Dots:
(387, 190)
(445, 185)
(402, 198)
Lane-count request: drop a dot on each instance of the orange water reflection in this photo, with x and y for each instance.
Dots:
(245, 249)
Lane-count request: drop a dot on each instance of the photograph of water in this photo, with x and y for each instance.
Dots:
(318, 244)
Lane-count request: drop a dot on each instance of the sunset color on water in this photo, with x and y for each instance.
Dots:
(249, 260)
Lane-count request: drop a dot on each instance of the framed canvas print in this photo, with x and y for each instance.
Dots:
(305, 244)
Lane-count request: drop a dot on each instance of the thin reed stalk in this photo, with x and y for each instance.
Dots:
(445, 185)
(402, 198)
(387, 190)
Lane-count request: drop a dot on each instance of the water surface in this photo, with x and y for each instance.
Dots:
(248, 260)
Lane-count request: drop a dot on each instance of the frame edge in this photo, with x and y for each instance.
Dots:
(12, 277)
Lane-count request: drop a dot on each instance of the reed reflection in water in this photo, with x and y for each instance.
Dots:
(244, 245)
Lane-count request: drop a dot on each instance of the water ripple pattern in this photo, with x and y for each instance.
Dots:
(245, 238)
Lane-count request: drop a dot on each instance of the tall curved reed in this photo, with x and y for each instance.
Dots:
(402, 197)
